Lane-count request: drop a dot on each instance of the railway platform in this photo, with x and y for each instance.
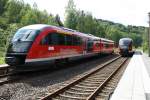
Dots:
(135, 82)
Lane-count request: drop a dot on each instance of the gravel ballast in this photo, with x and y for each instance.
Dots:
(29, 89)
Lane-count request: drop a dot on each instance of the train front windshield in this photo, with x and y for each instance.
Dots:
(25, 35)
(22, 40)
(124, 42)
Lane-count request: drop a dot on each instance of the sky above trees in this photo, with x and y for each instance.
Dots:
(127, 12)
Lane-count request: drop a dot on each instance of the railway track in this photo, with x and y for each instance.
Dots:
(90, 85)
(4, 69)
(7, 75)
(8, 78)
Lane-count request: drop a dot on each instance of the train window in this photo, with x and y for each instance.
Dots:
(61, 39)
(97, 44)
(76, 40)
(79, 41)
(25, 35)
(124, 42)
(50, 39)
(69, 40)
(106, 45)
(45, 40)
(53, 39)
(89, 45)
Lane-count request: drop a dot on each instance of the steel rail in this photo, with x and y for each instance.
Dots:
(95, 93)
(61, 90)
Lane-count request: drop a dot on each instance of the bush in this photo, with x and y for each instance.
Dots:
(2, 61)
(145, 46)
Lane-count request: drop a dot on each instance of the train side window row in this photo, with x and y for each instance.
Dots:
(61, 39)
(106, 45)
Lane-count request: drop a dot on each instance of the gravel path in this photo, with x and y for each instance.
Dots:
(29, 89)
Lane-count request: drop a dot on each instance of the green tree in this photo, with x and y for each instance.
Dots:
(2, 6)
(145, 40)
(5, 37)
(137, 39)
(71, 15)
(80, 21)
(13, 8)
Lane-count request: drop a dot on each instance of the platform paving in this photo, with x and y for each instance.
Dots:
(135, 82)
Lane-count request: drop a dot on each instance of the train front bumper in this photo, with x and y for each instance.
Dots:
(15, 58)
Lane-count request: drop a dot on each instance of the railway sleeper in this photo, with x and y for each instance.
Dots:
(98, 78)
(99, 74)
(111, 85)
(106, 90)
(85, 87)
(114, 80)
(69, 92)
(81, 90)
(109, 88)
(66, 97)
(88, 84)
(92, 83)
(102, 98)
(94, 80)
(103, 95)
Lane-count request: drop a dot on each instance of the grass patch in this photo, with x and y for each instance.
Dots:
(2, 61)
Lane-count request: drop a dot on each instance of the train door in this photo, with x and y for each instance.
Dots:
(49, 45)
(89, 46)
(96, 47)
(102, 46)
(84, 45)
(106, 45)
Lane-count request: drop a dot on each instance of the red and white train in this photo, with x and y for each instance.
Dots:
(42, 43)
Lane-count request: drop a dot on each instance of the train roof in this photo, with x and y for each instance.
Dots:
(36, 26)
(103, 39)
(43, 26)
(90, 36)
(125, 39)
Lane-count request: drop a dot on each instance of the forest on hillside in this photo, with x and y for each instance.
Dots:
(16, 13)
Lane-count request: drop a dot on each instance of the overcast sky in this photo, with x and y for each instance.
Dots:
(127, 12)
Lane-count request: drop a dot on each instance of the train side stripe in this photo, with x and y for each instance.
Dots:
(59, 57)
